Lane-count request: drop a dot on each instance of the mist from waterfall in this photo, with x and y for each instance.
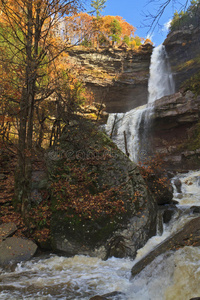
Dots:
(130, 131)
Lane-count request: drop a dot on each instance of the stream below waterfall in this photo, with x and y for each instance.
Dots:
(170, 276)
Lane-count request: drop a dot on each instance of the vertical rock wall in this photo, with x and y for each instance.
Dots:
(118, 78)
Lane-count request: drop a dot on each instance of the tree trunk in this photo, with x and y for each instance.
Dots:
(24, 170)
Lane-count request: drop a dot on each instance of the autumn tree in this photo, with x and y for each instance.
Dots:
(78, 27)
(29, 29)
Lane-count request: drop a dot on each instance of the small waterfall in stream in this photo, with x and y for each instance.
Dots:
(130, 131)
(171, 276)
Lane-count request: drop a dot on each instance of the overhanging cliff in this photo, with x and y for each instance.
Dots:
(117, 78)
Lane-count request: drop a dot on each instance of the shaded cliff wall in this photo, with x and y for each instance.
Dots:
(183, 47)
(118, 78)
(176, 130)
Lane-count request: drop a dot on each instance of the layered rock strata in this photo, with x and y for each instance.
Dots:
(117, 78)
(182, 47)
(175, 130)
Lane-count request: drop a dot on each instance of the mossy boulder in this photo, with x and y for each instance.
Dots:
(100, 202)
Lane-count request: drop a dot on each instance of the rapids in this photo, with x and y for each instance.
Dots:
(170, 276)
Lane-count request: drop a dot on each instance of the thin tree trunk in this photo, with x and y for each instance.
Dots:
(125, 143)
(23, 182)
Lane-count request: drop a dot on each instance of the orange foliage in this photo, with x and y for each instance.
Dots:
(82, 26)
(153, 172)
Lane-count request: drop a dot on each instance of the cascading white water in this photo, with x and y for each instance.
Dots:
(120, 126)
(124, 128)
(171, 276)
(160, 81)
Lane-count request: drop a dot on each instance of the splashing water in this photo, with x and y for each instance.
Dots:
(190, 189)
(170, 276)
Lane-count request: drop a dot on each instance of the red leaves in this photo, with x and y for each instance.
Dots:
(152, 171)
(80, 195)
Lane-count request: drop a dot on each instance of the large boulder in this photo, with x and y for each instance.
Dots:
(101, 205)
(15, 249)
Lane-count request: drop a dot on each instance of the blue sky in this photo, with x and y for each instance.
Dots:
(133, 12)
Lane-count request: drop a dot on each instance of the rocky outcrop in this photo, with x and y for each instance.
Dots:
(100, 179)
(175, 130)
(117, 78)
(189, 235)
(14, 249)
(182, 47)
(6, 230)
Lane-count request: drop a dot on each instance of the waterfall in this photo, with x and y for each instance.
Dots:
(160, 81)
(123, 128)
(130, 131)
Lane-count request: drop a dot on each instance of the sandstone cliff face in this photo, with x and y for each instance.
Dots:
(117, 78)
(176, 130)
(182, 47)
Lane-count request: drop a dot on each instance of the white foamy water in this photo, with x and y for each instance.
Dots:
(190, 189)
(171, 276)
(160, 81)
(78, 277)
(126, 125)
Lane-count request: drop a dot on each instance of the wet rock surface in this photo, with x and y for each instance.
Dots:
(189, 235)
(178, 185)
(110, 296)
(168, 213)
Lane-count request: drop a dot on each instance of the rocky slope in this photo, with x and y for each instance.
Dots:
(118, 78)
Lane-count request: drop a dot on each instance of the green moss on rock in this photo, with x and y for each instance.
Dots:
(93, 193)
